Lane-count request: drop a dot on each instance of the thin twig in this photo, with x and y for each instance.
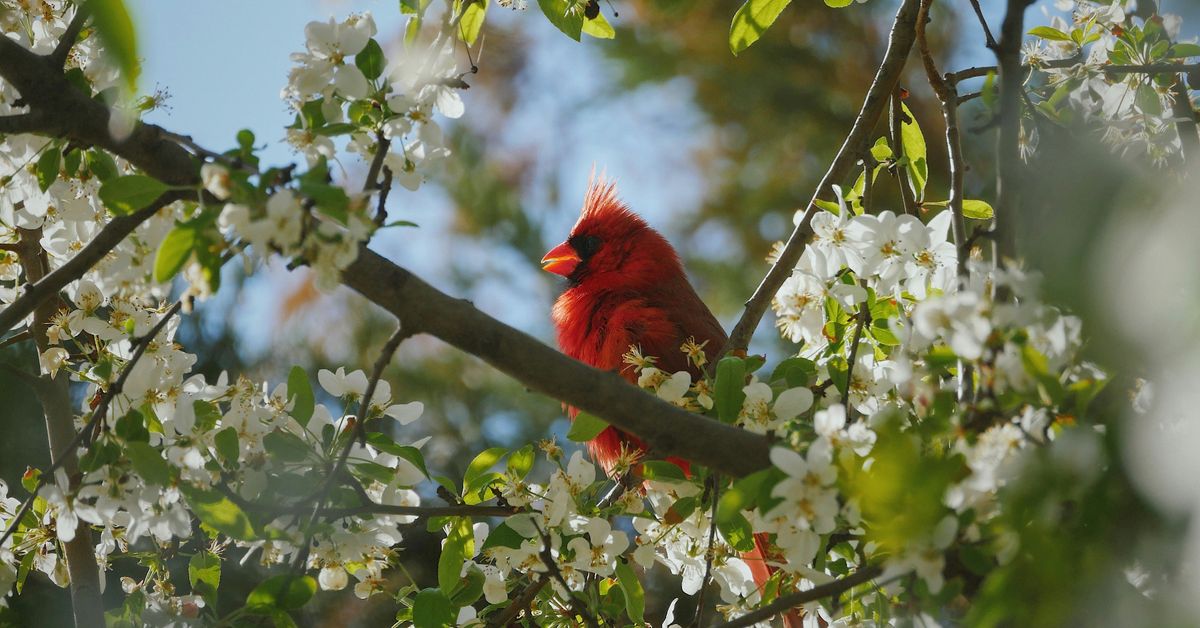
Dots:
(18, 337)
(105, 241)
(715, 484)
(966, 98)
(522, 602)
(382, 146)
(58, 57)
(947, 94)
(987, 32)
(900, 42)
(83, 436)
(1009, 168)
(548, 558)
(187, 142)
(864, 319)
(969, 73)
(785, 602)
(460, 510)
(385, 186)
(359, 436)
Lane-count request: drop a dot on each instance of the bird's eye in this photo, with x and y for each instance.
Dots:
(585, 245)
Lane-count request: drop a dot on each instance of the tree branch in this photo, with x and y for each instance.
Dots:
(21, 123)
(947, 95)
(1009, 168)
(58, 57)
(987, 32)
(109, 237)
(420, 307)
(665, 428)
(359, 436)
(785, 602)
(900, 43)
(81, 562)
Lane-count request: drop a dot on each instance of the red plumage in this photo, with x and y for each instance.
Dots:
(627, 287)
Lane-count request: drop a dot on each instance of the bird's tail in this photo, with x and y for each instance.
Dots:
(756, 559)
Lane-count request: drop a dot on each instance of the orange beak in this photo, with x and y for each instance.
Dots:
(561, 260)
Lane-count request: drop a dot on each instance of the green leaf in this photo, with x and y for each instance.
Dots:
(127, 194)
(148, 463)
(283, 592)
(287, 447)
(71, 162)
(174, 252)
(736, 529)
(914, 148)
(469, 588)
(337, 128)
(585, 427)
(838, 4)
(1049, 32)
(300, 393)
(662, 471)
(331, 200)
(979, 210)
(370, 60)
(882, 150)
(1179, 51)
(570, 22)
(459, 548)
(830, 206)
(116, 31)
(635, 595)
(599, 28)
(245, 139)
(47, 166)
(101, 164)
(503, 536)
(521, 461)
(226, 442)
(752, 20)
(741, 496)
(988, 93)
(795, 371)
(472, 21)
(384, 443)
(482, 462)
(207, 414)
(728, 395)
(204, 574)
(219, 512)
(432, 609)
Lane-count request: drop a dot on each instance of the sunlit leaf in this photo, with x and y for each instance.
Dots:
(635, 595)
(585, 427)
(127, 194)
(174, 252)
(752, 20)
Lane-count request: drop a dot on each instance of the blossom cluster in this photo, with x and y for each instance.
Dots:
(370, 100)
(1134, 112)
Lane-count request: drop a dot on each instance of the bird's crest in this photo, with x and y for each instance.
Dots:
(601, 200)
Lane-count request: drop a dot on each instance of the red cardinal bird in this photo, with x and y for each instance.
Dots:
(627, 288)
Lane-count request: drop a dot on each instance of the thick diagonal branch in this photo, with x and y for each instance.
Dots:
(666, 428)
(886, 78)
(423, 309)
